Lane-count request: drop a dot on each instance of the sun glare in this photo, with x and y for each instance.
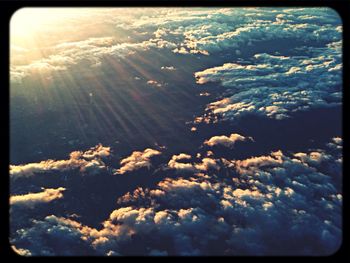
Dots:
(26, 22)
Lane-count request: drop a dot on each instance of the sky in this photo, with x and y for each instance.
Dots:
(175, 131)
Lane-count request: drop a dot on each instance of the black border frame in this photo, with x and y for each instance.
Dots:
(8, 7)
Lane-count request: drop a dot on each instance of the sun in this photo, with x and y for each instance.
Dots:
(27, 21)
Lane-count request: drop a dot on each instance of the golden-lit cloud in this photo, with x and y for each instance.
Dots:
(225, 140)
(236, 210)
(174, 164)
(31, 199)
(255, 202)
(248, 166)
(21, 251)
(89, 162)
(177, 162)
(137, 160)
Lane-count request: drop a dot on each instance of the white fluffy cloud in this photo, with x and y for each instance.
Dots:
(184, 31)
(137, 160)
(242, 211)
(249, 166)
(68, 54)
(177, 162)
(336, 143)
(89, 162)
(31, 199)
(67, 235)
(276, 86)
(227, 141)
(98, 151)
(263, 205)
(174, 164)
(267, 193)
(276, 203)
(208, 31)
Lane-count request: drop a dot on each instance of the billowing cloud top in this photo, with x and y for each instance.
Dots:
(177, 162)
(226, 141)
(275, 198)
(182, 31)
(276, 86)
(137, 160)
(89, 162)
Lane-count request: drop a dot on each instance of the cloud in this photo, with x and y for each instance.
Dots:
(88, 162)
(98, 151)
(137, 160)
(204, 165)
(21, 252)
(184, 31)
(154, 83)
(268, 193)
(204, 94)
(84, 53)
(277, 86)
(277, 203)
(337, 140)
(170, 68)
(214, 30)
(226, 141)
(264, 205)
(32, 199)
(38, 67)
(312, 157)
(174, 164)
(336, 143)
(67, 235)
(249, 166)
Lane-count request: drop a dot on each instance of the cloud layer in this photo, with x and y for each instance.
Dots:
(273, 204)
(183, 31)
(277, 86)
(233, 62)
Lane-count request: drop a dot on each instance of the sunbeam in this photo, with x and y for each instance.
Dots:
(176, 131)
